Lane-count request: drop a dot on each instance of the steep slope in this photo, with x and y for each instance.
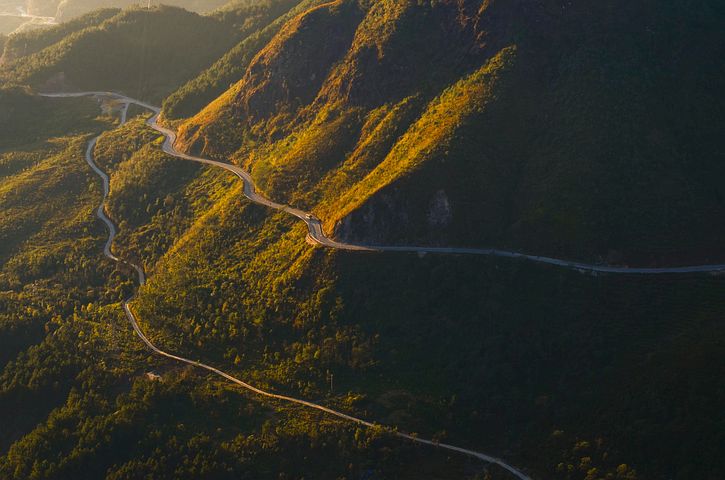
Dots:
(570, 152)
(78, 398)
(213, 81)
(276, 81)
(536, 126)
(470, 350)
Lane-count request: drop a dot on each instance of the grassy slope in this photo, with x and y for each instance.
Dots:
(18, 108)
(479, 350)
(592, 147)
(48, 239)
(429, 137)
(239, 288)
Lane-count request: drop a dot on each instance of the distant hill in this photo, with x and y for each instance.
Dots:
(27, 43)
(65, 10)
(147, 53)
(564, 129)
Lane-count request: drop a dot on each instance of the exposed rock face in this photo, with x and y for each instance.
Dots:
(440, 211)
(374, 223)
(390, 217)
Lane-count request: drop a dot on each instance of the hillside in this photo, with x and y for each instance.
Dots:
(144, 52)
(75, 395)
(26, 43)
(586, 83)
(579, 130)
(470, 350)
(213, 81)
(66, 10)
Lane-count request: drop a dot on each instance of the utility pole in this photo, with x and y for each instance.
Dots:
(330, 376)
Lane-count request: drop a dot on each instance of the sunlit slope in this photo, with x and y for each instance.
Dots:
(191, 97)
(144, 52)
(474, 350)
(572, 152)
(277, 81)
(75, 397)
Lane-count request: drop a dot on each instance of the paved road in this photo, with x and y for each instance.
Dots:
(315, 229)
(317, 235)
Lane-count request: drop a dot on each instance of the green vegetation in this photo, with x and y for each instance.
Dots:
(587, 131)
(209, 84)
(154, 197)
(429, 137)
(593, 144)
(26, 43)
(18, 108)
(68, 10)
(74, 392)
(477, 349)
(145, 53)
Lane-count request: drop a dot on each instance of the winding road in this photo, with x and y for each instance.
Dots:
(314, 225)
(317, 235)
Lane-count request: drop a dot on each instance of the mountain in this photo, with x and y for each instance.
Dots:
(29, 42)
(213, 81)
(66, 10)
(555, 111)
(147, 53)
(579, 130)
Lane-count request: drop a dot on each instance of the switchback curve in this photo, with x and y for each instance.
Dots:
(317, 235)
(249, 192)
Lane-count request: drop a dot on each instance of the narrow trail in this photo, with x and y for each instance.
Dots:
(249, 192)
